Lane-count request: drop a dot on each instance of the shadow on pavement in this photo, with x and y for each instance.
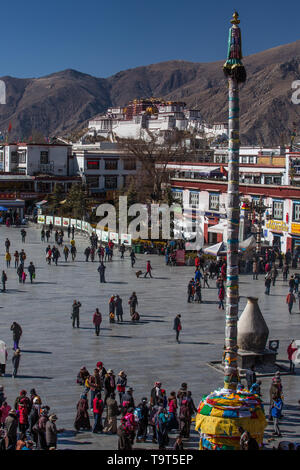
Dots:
(36, 352)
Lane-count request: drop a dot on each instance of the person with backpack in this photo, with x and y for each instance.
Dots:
(141, 416)
(128, 421)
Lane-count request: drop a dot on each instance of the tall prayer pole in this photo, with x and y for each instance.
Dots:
(222, 413)
(235, 71)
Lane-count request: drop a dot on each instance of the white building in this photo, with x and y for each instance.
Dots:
(33, 159)
(103, 166)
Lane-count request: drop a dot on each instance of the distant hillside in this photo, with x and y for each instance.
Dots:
(63, 101)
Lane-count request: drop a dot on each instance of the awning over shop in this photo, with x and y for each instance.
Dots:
(248, 243)
(41, 203)
(215, 250)
(218, 228)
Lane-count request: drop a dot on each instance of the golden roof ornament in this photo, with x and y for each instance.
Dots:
(235, 19)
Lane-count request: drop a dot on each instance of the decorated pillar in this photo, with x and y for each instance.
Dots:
(236, 74)
(223, 413)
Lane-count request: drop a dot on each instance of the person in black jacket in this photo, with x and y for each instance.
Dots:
(177, 326)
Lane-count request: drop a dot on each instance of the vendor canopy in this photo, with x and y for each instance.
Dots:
(215, 250)
(248, 243)
(218, 228)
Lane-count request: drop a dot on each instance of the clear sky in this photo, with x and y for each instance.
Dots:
(103, 37)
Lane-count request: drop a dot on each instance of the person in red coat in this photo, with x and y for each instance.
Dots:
(23, 417)
(97, 319)
(148, 269)
(290, 351)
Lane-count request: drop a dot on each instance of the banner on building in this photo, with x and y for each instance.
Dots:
(49, 219)
(78, 224)
(114, 237)
(57, 221)
(66, 222)
(295, 228)
(277, 225)
(126, 238)
(104, 236)
(41, 219)
(73, 222)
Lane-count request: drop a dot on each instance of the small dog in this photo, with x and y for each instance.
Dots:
(138, 274)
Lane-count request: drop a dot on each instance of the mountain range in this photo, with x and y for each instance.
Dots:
(58, 103)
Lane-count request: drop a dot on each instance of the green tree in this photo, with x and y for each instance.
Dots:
(55, 199)
(76, 201)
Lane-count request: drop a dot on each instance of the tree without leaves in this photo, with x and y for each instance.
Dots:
(153, 157)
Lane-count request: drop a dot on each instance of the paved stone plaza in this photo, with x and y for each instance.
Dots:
(53, 352)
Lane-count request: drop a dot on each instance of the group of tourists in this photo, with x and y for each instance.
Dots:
(28, 424)
(156, 416)
(19, 264)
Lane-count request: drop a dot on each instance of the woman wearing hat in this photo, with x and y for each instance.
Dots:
(121, 384)
(51, 432)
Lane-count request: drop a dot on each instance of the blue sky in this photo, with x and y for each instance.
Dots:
(103, 37)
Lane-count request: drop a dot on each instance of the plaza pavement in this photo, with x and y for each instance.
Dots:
(53, 352)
